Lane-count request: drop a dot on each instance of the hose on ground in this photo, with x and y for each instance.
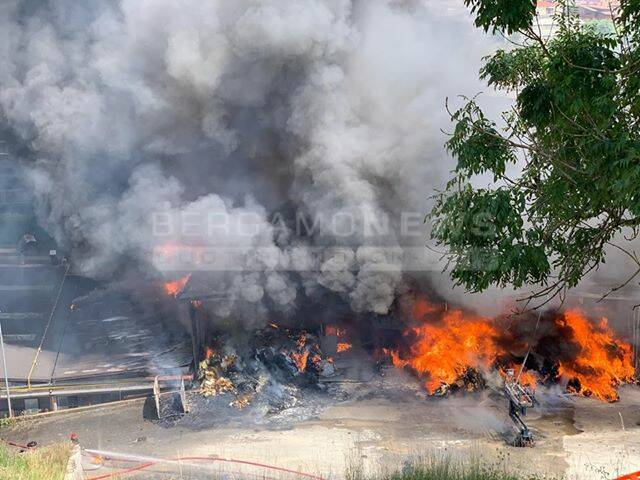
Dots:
(148, 464)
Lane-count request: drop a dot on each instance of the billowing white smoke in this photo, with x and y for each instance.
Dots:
(192, 109)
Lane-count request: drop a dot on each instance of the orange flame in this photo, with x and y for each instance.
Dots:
(208, 353)
(301, 356)
(300, 359)
(422, 307)
(445, 346)
(174, 288)
(602, 362)
(316, 359)
(443, 352)
(332, 330)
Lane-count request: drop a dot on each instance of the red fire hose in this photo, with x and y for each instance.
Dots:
(145, 465)
(148, 464)
(142, 466)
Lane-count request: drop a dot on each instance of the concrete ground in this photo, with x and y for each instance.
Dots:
(376, 430)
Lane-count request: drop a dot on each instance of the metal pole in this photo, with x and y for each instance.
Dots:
(6, 376)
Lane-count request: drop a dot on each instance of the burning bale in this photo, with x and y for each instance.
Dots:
(452, 350)
(213, 383)
(218, 375)
(295, 354)
(448, 349)
(603, 362)
(273, 355)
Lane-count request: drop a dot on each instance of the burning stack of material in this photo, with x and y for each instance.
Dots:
(277, 371)
(470, 380)
(218, 374)
(212, 371)
(275, 355)
(453, 350)
(296, 354)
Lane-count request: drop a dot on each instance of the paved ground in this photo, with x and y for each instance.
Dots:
(377, 429)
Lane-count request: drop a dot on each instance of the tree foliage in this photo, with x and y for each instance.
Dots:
(572, 136)
(507, 15)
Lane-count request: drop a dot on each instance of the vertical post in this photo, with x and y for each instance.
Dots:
(6, 375)
(156, 395)
(195, 337)
(183, 396)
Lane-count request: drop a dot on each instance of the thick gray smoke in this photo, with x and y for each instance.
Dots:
(164, 122)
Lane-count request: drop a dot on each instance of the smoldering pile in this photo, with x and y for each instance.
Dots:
(261, 376)
(289, 356)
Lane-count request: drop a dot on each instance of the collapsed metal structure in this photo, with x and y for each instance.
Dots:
(520, 399)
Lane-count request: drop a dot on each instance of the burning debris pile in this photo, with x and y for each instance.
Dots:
(588, 355)
(274, 355)
(450, 350)
(453, 350)
(450, 354)
(214, 373)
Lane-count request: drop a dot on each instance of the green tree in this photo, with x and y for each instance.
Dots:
(573, 136)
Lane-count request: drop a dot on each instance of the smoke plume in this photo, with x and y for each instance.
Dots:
(223, 124)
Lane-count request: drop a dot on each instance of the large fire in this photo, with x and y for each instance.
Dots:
(602, 363)
(444, 346)
(444, 351)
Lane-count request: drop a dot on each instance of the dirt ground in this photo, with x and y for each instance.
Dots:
(377, 429)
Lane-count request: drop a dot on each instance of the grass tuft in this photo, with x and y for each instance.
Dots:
(441, 468)
(49, 462)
